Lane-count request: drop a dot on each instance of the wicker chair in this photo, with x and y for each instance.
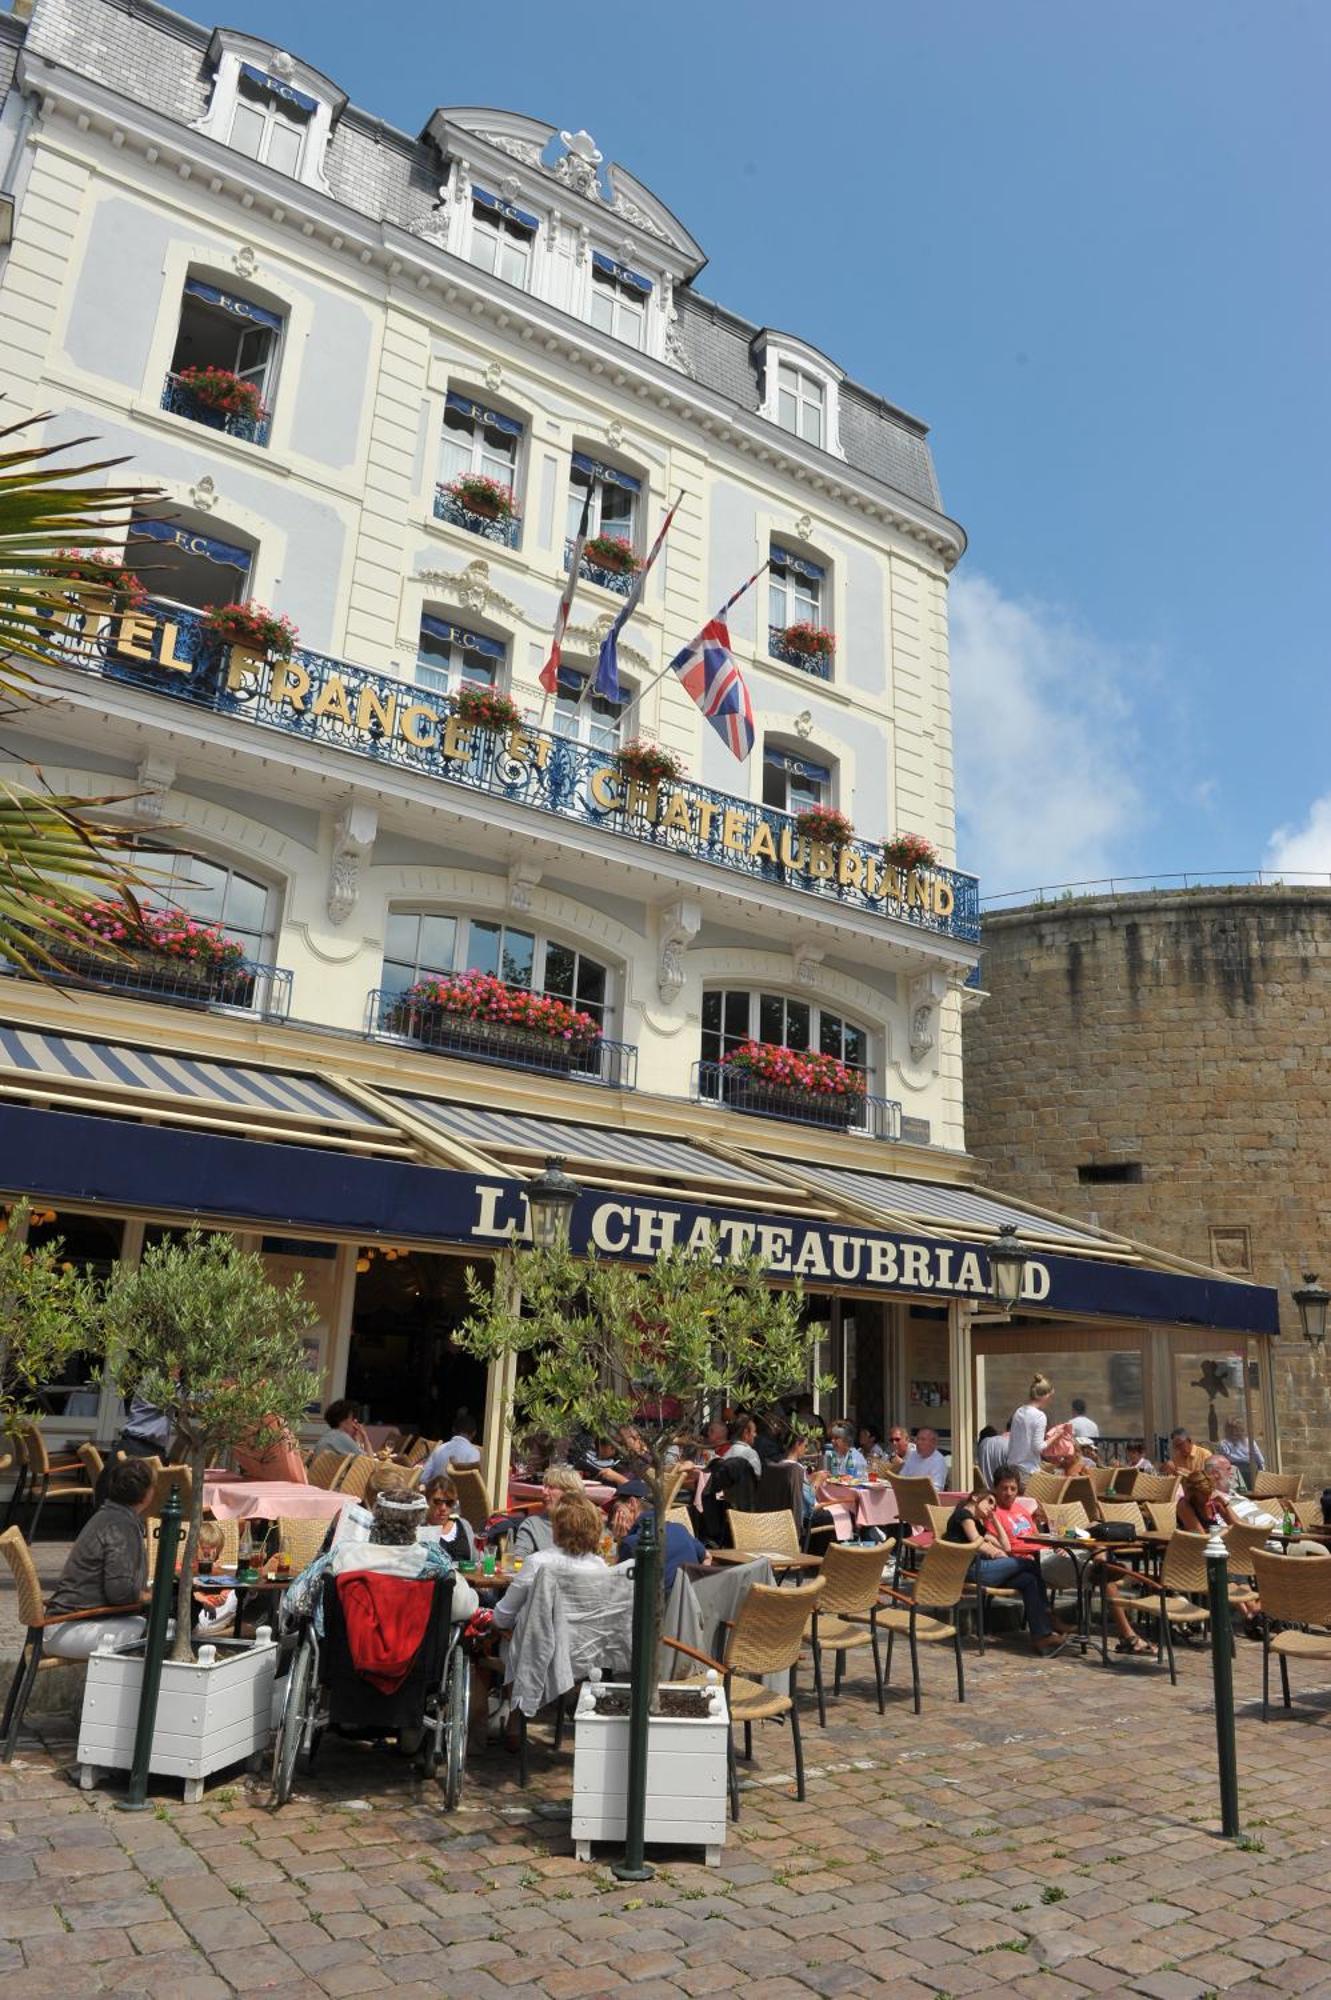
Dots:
(32, 1616)
(93, 1463)
(1080, 1491)
(354, 1475)
(939, 1585)
(765, 1638)
(230, 1544)
(680, 1517)
(765, 1534)
(914, 1498)
(300, 1539)
(1308, 1513)
(1071, 1514)
(1122, 1481)
(847, 1616)
(1162, 1516)
(1046, 1486)
(1240, 1544)
(50, 1479)
(1156, 1486)
(473, 1499)
(1123, 1510)
(1277, 1486)
(1296, 1595)
(165, 1477)
(1170, 1597)
(325, 1466)
(1102, 1480)
(976, 1594)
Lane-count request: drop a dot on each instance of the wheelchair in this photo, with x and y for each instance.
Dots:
(323, 1691)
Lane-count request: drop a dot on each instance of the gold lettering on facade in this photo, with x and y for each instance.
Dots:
(762, 847)
(135, 637)
(332, 699)
(457, 736)
(707, 812)
(604, 788)
(821, 862)
(167, 656)
(917, 892)
(732, 830)
(790, 848)
(420, 726)
(290, 683)
(944, 900)
(873, 876)
(677, 817)
(375, 711)
(850, 868)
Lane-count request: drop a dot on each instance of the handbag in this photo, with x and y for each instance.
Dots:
(1113, 1531)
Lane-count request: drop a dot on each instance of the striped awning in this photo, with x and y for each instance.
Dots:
(931, 1206)
(76, 1073)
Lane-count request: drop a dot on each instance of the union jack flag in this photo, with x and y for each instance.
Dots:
(707, 668)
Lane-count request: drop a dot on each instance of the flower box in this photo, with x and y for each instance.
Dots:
(686, 1776)
(485, 707)
(475, 1012)
(613, 553)
(649, 763)
(788, 1100)
(487, 497)
(803, 1084)
(220, 389)
(910, 850)
(824, 824)
(98, 582)
(811, 642)
(212, 1712)
(251, 630)
(438, 1028)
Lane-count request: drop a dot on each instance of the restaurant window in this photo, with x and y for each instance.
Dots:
(792, 783)
(619, 300)
(732, 1016)
(92, 1244)
(583, 716)
(449, 654)
(212, 892)
(270, 120)
(421, 943)
(501, 238)
(183, 567)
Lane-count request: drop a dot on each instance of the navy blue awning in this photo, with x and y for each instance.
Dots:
(621, 272)
(199, 288)
(785, 559)
(287, 93)
(457, 635)
(506, 209)
(800, 767)
(609, 475)
(478, 413)
(185, 538)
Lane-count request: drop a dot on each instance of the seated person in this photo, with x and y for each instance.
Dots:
(577, 1530)
(1018, 1516)
(743, 1436)
(973, 1521)
(898, 1444)
(869, 1442)
(924, 1460)
(459, 1450)
(1184, 1455)
(1244, 1453)
(716, 1438)
(846, 1460)
(106, 1569)
(816, 1527)
(535, 1531)
(626, 1514)
(344, 1431)
(1203, 1505)
(1134, 1457)
(455, 1537)
(214, 1610)
(1223, 1475)
(392, 1548)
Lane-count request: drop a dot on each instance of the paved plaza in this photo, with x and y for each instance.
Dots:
(1054, 1837)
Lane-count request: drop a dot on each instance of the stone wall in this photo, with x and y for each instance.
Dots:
(1180, 1041)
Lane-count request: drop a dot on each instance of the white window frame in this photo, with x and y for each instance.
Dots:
(273, 116)
(817, 1009)
(627, 302)
(589, 723)
(775, 352)
(450, 434)
(158, 866)
(788, 586)
(489, 226)
(230, 49)
(446, 677)
(825, 796)
(262, 373)
(596, 522)
(542, 942)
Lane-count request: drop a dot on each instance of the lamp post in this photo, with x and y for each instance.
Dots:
(1007, 1267)
(551, 1199)
(1312, 1301)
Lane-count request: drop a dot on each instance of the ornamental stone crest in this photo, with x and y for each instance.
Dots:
(526, 151)
(494, 378)
(245, 261)
(577, 167)
(469, 587)
(804, 724)
(678, 925)
(203, 494)
(154, 779)
(924, 998)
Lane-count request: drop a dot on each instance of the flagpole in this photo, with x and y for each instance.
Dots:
(567, 595)
(652, 554)
(730, 601)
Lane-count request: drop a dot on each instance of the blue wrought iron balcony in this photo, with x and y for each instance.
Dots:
(243, 988)
(166, 651)
(817, 664)
(184, 403)
(867, 1117)
(391, 1012)
(447, 508)
(617, 580)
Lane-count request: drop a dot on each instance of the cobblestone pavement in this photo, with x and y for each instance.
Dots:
(1053, 1837)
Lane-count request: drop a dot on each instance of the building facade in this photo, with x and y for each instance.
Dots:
(376, 382)
(1155, 1064)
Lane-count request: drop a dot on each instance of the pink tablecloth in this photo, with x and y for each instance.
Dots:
(859, 1506)
(527, 1489)
(270, 1499)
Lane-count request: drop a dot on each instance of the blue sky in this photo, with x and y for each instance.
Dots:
(1088, 245)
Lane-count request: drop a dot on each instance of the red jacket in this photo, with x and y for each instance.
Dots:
(386, 1619)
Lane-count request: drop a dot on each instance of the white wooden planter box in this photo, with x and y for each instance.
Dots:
(211, 1712)
(686, 1776)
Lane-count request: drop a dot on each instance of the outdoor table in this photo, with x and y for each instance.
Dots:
(262, 1586)
(528, 1489)
(775, 1557)
(1083, 1553)
(857, 1503)
(269, 1500)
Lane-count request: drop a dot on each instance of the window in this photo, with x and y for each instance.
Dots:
(449, 655)
(800, 403)
(270, 120)
(212, 892)
(1104, 1171)
(732, 1017)
(619, 300)
(478, 440)
(791, 782)
(418, 943)
(501, 238)
(184, 567)
(220, 329)
(584, 716)
(614, 506)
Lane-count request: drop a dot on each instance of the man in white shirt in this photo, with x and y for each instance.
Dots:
(1084, 1428)
(459, 1450)
(924, 1460)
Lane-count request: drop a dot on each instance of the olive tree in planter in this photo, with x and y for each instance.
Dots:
(203, 1335)
(48, 1313)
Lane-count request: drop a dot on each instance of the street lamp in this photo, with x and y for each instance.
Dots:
(551, 1199)
(1007, 1267)
(1312, 1301)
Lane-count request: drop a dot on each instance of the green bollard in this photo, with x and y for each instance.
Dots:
(154, 1652)
(642, 1673)
(1222, 1671)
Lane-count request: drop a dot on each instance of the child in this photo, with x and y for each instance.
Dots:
(214, 1610)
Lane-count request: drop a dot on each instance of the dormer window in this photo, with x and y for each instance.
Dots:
(619, 300)
(271, 119)
(501, 238)
(801, 390)
(800, 403)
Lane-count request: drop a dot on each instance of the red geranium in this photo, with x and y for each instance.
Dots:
(485, 707)
(824, 823)
(252, 626)
(222, 389)
(480, 494)
(102, 569)
(479, 996)
(795, 1069)
(172, 934)
(813, 641)
(611, 552)
(910, 850)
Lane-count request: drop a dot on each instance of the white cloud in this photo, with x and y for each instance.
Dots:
(1046, 789)
(1303, 849)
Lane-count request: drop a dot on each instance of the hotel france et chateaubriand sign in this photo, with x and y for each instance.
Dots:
(372, 714)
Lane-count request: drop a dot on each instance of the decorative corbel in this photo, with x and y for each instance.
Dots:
(523, 877)
(808, 958)
(154, 779)
(678, 925)
(924, 997)
(353, 837)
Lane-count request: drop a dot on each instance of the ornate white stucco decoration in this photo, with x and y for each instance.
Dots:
(469, 587)
(154, 779)
(674, 350)
(203, 494)
(523, 877)
(245, 261)
(804, 724)
(638, 216)
(678, 925)
(353, 837)
(592, 635)
(804, 526)
(510, 187)
(283, 65)
(578, 165)
(493, 378)
(924, 996)
(808, 958)
(614, 434)
(525, 150)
